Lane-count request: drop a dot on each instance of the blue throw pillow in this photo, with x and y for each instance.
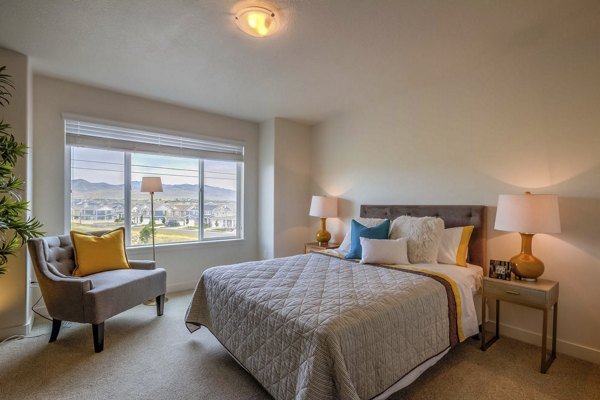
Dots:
(358, 230)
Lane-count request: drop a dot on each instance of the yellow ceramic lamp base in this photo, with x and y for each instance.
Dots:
(526, 266)
(322, 235)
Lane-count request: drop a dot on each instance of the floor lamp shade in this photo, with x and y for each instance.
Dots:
(151, 184)
(527, 214)
(323, 207)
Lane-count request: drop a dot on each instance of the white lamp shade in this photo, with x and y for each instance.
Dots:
(528, 213)
(151, 184)
(323, 207)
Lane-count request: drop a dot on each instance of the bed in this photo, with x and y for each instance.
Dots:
(317, 326)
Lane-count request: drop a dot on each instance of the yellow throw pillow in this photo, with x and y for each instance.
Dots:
(455, 245)
(95, 254)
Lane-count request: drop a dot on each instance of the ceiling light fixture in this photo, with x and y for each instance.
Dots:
(256, 21)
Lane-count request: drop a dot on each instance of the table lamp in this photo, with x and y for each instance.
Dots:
(323, 207)
(527, 214)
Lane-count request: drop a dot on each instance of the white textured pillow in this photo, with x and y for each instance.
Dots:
(424, 236)
(381, 251)
(347, 242)
(455, 245)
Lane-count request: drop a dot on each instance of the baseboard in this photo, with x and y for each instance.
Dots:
(180, 287)
(42, 310)
(562, 346)
(24, 329)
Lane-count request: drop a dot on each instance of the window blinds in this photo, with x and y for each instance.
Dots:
(111, 137)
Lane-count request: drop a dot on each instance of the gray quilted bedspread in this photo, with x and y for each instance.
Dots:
(318, 327)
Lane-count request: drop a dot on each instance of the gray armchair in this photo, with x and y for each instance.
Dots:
(94, 298)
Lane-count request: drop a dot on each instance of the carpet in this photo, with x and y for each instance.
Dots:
(149, 357)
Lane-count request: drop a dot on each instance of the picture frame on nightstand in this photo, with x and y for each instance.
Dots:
(500, 269)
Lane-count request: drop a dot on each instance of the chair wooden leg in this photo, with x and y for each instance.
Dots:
(55, 329)
(98, 332)
(160, 304)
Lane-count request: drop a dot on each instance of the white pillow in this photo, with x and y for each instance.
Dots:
(424, 236)
(347, 242)
(381, 251)
(455, 245)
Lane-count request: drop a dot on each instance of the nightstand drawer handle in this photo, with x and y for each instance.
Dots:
(512, 292)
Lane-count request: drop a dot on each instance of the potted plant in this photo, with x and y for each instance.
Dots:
(15, 227)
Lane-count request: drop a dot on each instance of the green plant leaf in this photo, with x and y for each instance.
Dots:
(15, 227)
(6, 84)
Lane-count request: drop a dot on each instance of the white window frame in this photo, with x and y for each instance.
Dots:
(239, 234)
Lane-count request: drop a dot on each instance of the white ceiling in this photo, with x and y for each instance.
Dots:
(331, 56)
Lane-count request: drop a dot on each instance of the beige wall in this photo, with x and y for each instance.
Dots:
(527, 119)
(284, 187)
(15, 314)
(184, 263)
(266, 184)
(292, 186)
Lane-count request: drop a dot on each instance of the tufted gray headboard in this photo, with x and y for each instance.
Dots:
(453, 216)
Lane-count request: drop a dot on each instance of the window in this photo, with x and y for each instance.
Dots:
(220, 198)
(174, 208)
(97, 195)
(201, 180)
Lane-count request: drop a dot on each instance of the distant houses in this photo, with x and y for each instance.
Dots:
(217, 215)
(97, 211)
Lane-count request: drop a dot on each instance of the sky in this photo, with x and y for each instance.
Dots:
(107, 166)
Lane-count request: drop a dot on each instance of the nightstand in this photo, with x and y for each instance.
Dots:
(542, 295)
(315, 246)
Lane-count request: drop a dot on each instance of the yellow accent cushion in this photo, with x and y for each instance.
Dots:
(454, 246)
(95, 254)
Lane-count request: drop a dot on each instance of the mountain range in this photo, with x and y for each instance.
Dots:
(82, 188)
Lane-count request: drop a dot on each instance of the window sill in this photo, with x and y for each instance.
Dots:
(168, 247)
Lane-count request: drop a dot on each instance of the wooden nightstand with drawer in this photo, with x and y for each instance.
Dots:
(316, 246)
(542, 295)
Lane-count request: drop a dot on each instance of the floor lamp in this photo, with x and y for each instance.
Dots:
(152, 184)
